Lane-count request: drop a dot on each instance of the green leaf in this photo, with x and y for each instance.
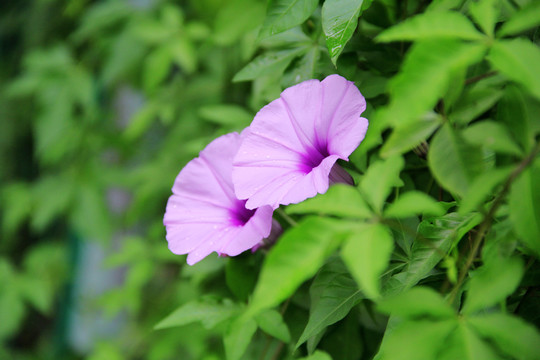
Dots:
(525, 207)
(241, 275)
(296, 257)
(11, 304)
(333, 294)
(435, 238)
(317, 355)
(271, 62)
(379, 180)
(526, 18)
(512, 111)
(339, 20)
(464, 344)
(52, 196)
(474, 102)
(492, 283)
(512, 335)
(340, 200)
(482, 187)
(247, 15)
(484, 14)
(157, 66)
(453, 162)
(16, 197)
(238, 337)
(271, 322)
(412, 203)
(493, 136)
(407, 136)
(418, 340)
(229, 116)
(286, 14)
(366, 253)
(432, 25)
(425, 77)
(208, 311)
(417, 302)
(518, 60)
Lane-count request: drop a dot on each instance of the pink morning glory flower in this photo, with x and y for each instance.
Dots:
(203, 215)
(290, 150)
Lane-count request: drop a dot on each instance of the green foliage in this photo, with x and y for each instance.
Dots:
(432, 254)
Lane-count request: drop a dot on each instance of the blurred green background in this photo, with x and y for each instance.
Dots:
(101, 104)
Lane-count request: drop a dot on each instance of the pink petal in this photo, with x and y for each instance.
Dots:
(203, 215)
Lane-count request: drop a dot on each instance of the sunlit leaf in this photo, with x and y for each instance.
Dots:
(379, 180)
(527, 17)
(271, 322)
(285, 14)
(268, 63)
(417, 302)
(238, 337)
(484, 14)
(412, 203)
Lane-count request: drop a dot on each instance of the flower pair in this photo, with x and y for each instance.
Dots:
(223, 200)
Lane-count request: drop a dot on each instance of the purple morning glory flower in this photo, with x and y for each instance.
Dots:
(290, 150)
(204, 215)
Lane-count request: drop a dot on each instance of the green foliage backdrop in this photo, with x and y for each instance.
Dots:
(433, 254)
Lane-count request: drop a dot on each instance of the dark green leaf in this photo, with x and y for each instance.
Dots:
(367, 253)
(525, 207)
(272, 62)
(333, 294)
(512, 111)
(339, 20)
(435, 238)
(296, 257)
(442, 24)
(285, 14)
(339, 200)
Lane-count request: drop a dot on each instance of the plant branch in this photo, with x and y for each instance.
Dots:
(486, 223)
(479, 77)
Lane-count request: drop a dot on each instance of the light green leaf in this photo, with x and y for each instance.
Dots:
(339, 20)
(425, 77)
(512, 335)
(285, 14)
(417, 302)
(482, 187)
(407, 136)
(492, 283)
(453, 162)
(432, 25)
(238, 337)
(271, 62)
(271, 322)
(435, 238)
(16, 197)
(340, 200)
(229, 116)
(484, 14)
(157, 66)
(464, 344)
(418, 340)
(519, 60)
(412, 203)
(208, 311)
(296, 257)
(526, 18)
(247, 15)
(493, 136)
(333, 294)
(366, 253)
(525, 207)
(379, 180)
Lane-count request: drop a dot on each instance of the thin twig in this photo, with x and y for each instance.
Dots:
(486, 223)
(286, 217)
(479, 77)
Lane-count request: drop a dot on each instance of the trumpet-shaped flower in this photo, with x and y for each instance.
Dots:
(203, 215)
(290, 150)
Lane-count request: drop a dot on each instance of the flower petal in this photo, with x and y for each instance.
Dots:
(203, 215)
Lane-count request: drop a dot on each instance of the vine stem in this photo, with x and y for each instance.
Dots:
(486, 223)
(480, 77)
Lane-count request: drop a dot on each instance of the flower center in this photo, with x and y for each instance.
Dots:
(240, 216)
(312, 159)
